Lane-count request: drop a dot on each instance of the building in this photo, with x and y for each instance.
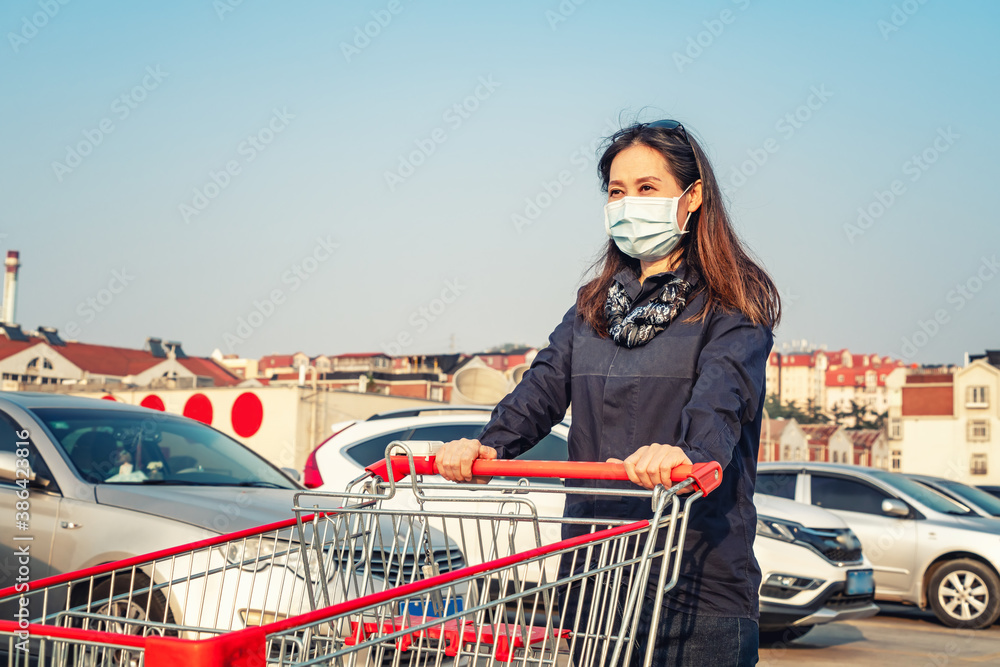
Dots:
(782, 440)
(828, 443)
(43, 360)
(273, 364)
(830, 380)
(797, 377)
(944, 421)
(241, 368)
(487, 377)
(871, 447)
(857, 378)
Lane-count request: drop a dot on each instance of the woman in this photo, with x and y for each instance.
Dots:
(663, 356)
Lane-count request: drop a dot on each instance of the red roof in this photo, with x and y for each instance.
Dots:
(276, 361)
(9, 347)
(777, 427)
(845, 376)
(209, 368)
(819, 434)
(864, 437)
(107, 360)
(800, 359)
(118, 361)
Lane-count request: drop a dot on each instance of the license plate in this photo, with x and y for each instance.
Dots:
(860, 582)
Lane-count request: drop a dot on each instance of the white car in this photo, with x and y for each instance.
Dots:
(812, 564)
(342, 457)
(813, 570)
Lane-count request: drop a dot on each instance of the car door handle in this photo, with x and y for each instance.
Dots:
(69, 525)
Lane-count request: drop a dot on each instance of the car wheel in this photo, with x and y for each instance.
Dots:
(128, 614)
(784, 635)
(965, 594)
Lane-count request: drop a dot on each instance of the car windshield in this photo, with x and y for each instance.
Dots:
(977, 497)
(935, 500)
(127, 447)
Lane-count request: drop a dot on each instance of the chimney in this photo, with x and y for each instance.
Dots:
(12, 264)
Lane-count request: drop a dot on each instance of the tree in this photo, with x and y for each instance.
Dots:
(814, 414)
(791, 410)
(859, 416)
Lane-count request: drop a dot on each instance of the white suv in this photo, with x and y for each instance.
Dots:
(812, 564)
(813, 570)
(343, 456)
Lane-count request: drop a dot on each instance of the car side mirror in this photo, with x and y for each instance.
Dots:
(293, 473)
(896, 508)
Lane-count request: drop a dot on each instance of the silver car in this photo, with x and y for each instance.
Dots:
(926, 549)
(977, 500)
(93, 482)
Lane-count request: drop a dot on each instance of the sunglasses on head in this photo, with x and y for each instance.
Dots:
(668, 125)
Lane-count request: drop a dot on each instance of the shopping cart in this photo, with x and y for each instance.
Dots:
(386, 573)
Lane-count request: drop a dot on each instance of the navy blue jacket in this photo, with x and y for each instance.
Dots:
(699, 386)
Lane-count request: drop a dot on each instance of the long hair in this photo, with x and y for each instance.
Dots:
(732, 280)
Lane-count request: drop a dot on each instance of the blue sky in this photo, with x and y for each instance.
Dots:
(271, 179)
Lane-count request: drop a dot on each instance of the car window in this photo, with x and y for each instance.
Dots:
(836, 493)
(10, 442)
(371, 450)
(446, 432)
(781, 484)
(977, 497)
(550, 448)
(933, 499)
(128, 447)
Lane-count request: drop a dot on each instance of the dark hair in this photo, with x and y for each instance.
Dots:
(730, 277)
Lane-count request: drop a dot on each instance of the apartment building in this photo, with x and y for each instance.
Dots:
(944, 422)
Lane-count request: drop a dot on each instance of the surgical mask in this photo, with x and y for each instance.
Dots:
(645, 227)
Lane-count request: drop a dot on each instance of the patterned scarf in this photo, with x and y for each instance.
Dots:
(634, 327)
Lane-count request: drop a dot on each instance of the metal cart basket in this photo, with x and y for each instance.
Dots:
(386, 573)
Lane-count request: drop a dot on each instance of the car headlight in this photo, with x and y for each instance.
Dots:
(838, 545)
(255, 554)
(776, 529)
(252, 553)
(295, 562)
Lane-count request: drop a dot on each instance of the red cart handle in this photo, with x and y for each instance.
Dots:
(706, 476)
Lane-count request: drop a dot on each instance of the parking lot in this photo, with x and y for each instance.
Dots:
(898, 636)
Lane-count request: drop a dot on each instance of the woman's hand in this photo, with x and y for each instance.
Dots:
(454, 460)
(651, 465)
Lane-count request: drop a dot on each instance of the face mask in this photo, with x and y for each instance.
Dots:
(645, 227)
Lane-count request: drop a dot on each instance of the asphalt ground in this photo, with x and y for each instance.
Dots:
(897, 636)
